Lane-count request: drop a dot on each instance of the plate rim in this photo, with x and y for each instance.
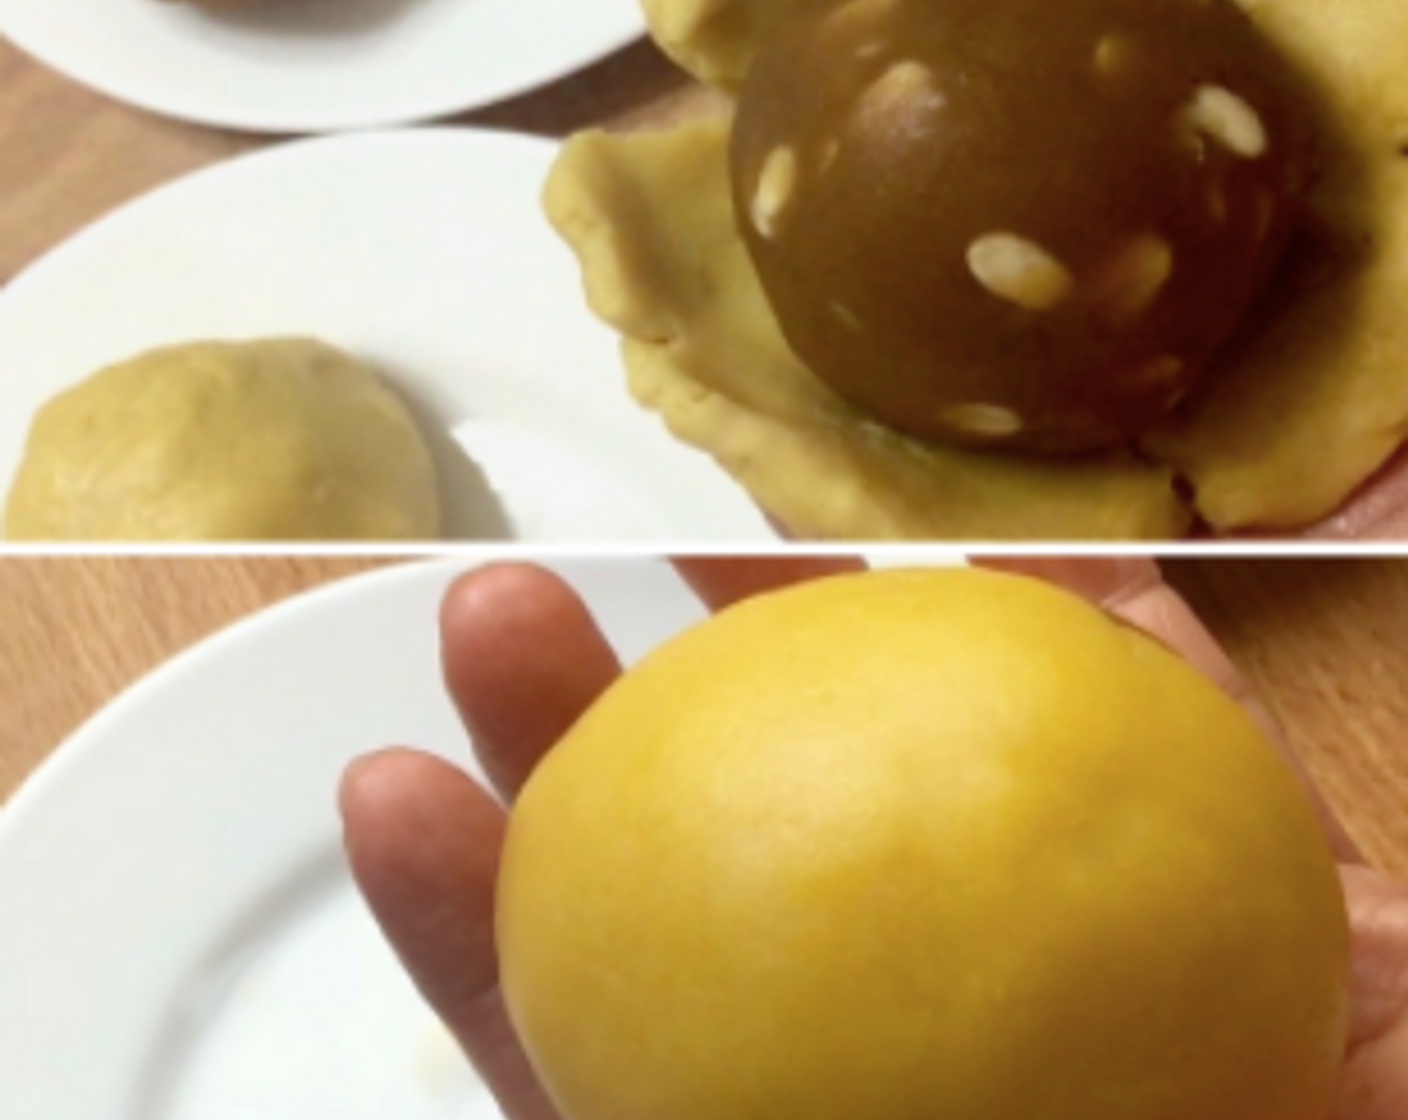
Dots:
(314, 124)
(73, 748)
(293, 149)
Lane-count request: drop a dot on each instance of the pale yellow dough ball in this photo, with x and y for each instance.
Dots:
(280, 439)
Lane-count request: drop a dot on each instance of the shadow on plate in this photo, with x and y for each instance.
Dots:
(313, 19)
(635, 78)
(470, 509)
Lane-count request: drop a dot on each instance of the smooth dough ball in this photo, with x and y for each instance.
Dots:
(281, 439)
(921, 845)
(981, 224)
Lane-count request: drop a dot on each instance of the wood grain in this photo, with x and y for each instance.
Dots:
(74, 632)
(1326, 641)
(68, 156)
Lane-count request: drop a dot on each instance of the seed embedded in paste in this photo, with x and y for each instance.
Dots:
(847, 20)
(1136, 277)
(1217, 112)
(1115, 56)
(906, 90)
(847, 318)
(776, 185)
(975, 419)
(1019, 271)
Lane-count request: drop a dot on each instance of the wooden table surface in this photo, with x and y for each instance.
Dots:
(68, 156)
(1326, 641)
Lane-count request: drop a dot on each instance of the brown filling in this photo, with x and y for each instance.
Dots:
(986, 222)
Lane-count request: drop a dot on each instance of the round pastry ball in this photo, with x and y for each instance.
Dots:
(921, 846)
(981, 223)
(281, 439)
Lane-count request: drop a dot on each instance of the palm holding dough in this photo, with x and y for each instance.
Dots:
(523, 658)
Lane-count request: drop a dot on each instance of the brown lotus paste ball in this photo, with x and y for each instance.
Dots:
(1012, 222)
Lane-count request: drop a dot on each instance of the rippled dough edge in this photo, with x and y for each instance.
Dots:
(267, 440)
(1314, 404)
(650, 219)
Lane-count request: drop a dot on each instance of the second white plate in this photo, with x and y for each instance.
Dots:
(317, 65)
(425, 253)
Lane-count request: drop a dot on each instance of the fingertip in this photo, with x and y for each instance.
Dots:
(422, 840)
(402, 809)
(484, 593)
(364, 794)
(360, 788)
(522, 658)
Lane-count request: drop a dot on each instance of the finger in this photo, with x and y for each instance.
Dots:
(721, 581)
(423, 842)
(1133, 589)
(522, 660)
(1375, 1082)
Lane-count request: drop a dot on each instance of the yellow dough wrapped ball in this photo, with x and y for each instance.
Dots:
(922, 846)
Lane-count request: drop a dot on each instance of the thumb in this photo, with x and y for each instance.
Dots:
(1375, 1085)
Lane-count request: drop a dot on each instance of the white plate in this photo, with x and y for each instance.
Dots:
(178, 937)
(426, 253)
(318, 65)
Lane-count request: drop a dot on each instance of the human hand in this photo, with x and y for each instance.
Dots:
(523, 658)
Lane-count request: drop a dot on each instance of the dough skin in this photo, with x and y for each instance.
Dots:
(276, 440)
